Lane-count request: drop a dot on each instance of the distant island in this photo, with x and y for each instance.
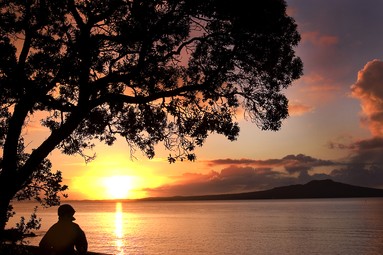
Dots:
(313, 189)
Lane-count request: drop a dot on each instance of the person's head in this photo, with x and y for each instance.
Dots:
(66, 211)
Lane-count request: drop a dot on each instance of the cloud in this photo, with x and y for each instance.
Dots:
(343, 142)
(364, 166)
(233, 179)
(299, 109)
(302, 164)
(321, 84)
(244, 161)
(369, 90)
(312, 90)
(318, 39)
(289, 162)
(245, 175)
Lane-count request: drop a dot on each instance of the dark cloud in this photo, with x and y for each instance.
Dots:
(289, 160)
(301, 163)
(364, 167)
(365, 164)
(233, 179)
(371, 146)
(244, 161)
(244, 175)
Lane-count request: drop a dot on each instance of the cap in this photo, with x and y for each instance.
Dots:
(66, 210)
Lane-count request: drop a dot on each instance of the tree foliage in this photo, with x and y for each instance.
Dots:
(159, 71)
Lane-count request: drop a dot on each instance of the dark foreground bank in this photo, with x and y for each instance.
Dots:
(9, 249)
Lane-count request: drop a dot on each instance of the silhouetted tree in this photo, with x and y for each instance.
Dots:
(158, 71)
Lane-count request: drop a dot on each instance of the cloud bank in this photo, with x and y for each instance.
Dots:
(363, 167)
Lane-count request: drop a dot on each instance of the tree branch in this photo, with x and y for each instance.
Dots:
(113, 98)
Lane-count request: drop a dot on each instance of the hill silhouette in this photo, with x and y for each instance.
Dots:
(313, 189)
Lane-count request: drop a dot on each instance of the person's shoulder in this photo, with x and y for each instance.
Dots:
(54, 225)
(75, 224)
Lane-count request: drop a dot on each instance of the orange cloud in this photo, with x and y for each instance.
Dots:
(369, 90)
(319, 83)
(318, 39)
(312, 90)
(299, 109)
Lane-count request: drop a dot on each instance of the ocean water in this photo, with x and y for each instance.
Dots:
(302, 226)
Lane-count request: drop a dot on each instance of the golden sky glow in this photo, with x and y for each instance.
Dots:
(111, 176)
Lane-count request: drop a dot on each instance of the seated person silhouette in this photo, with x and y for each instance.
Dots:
(64, 236)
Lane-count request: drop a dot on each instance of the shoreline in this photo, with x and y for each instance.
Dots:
(18, 249)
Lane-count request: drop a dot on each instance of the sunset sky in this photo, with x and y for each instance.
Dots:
(335, 128)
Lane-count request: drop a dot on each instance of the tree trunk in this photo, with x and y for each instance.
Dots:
(5, 200)
(12, 181)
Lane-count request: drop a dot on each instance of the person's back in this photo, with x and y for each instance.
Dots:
(63, 236)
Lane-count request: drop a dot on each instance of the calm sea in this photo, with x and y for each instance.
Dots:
(316, 226)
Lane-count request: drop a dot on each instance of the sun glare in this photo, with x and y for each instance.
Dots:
(114, 177)
(118, 187)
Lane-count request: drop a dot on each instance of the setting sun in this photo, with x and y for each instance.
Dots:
(113, 176)
(118, 187)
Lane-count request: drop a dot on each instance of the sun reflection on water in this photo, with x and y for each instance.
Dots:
(119, 228)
